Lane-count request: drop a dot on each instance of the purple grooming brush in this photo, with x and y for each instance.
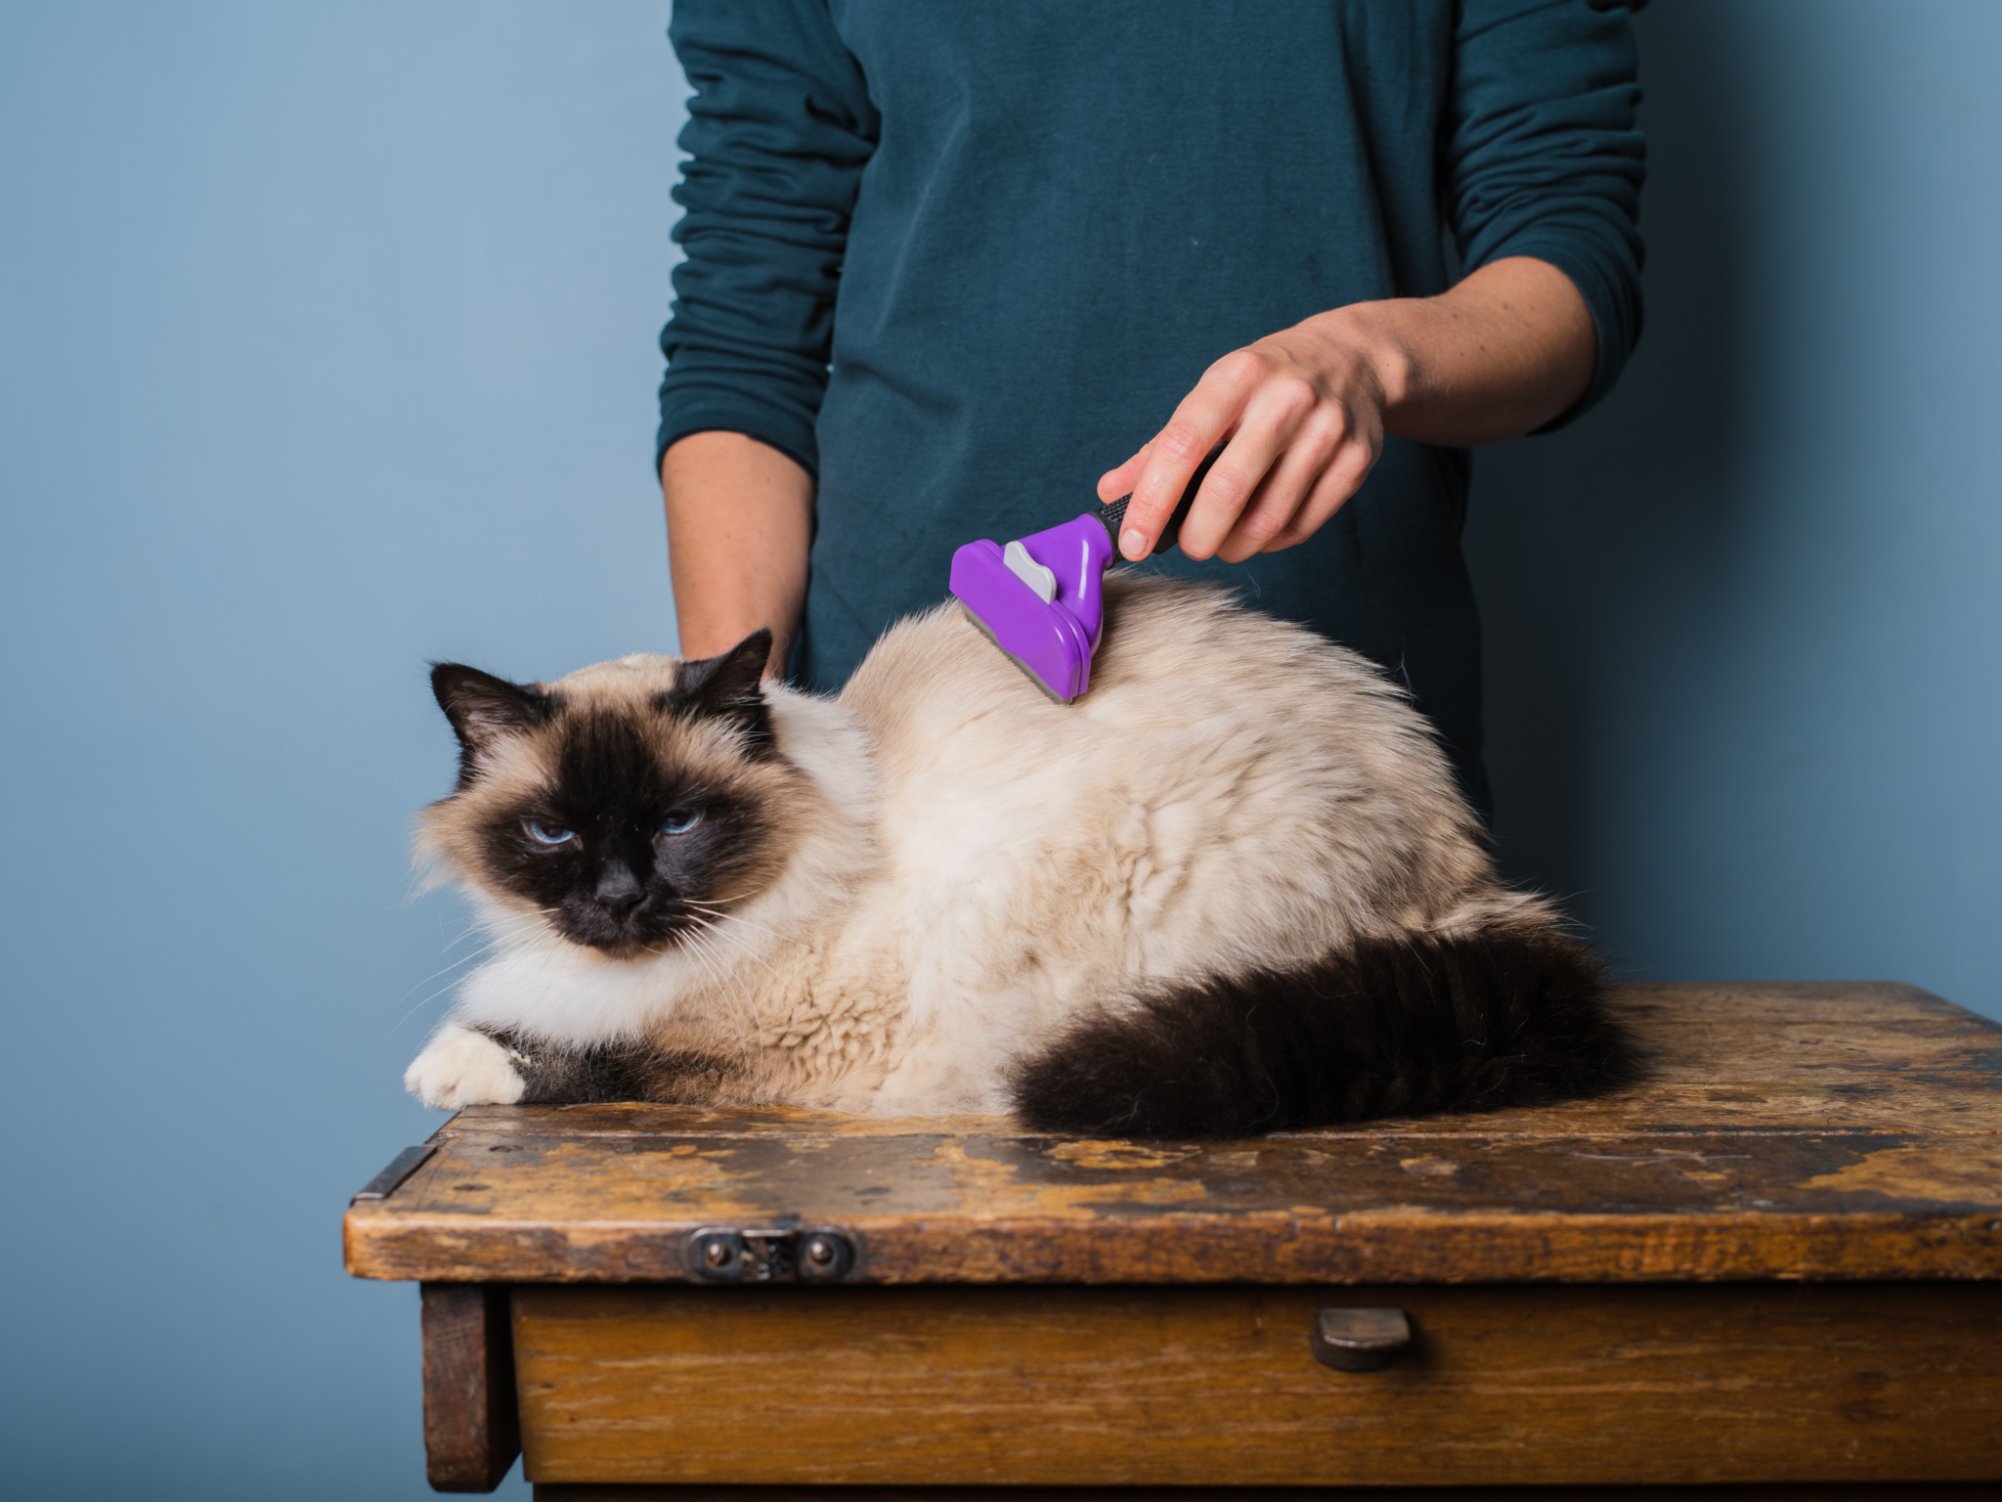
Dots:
(1041, 599)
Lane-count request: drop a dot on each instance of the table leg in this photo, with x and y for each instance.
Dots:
(472, 1432)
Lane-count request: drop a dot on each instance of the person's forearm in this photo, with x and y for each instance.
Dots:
(1505, 351)
(739, 524)
(1302, 414)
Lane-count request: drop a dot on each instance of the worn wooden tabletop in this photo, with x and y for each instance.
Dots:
(1849, 1131)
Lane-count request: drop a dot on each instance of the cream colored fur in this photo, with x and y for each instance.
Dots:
(980, 865)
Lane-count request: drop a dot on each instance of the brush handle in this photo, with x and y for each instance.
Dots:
(1114, 514)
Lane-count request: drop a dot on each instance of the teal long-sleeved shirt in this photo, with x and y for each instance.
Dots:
(957, 260)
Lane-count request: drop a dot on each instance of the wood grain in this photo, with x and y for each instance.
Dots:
(1214, 1386)
(1831, 1131)
(471, 1434)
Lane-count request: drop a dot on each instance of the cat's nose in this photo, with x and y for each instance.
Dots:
(619, 891)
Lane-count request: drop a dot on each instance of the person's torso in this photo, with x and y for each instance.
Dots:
(1071, 212)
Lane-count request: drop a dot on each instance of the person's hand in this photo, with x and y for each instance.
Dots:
(1303, 410)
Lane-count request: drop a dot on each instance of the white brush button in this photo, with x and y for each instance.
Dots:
(1030, 572)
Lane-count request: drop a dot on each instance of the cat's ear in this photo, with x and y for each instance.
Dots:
(483, 709)
(729, 688)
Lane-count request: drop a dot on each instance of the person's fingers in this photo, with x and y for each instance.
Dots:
(1119, 481)
(1205, 415)
(1284, 491)
(1338, 483)
(1276, 411)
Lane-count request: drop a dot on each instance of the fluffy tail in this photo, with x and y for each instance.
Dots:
(1509, 1017)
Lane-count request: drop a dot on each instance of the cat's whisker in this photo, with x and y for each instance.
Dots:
(745, 951)
(724, 979)
(723, 935)
(494, 935)
(428, 999)
(462, 960)
(765, 931)
(713, 933)
(711, 965)
(491, 933)
(519, 939)
(693, 939)
(425, 1004)
(475, 927)
(514, 927)
(507, 922)
(725, 920)
(737, 918)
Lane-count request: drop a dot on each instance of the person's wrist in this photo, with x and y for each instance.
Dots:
(1372, 334)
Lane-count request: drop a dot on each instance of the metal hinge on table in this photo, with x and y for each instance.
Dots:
(721, 1254)
(401, 1167)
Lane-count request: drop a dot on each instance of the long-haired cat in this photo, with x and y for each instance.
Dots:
(1232, 889)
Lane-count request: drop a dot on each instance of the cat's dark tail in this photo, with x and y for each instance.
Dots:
(1509, 1017)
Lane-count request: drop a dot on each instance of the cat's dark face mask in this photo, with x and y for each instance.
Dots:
(629, 818)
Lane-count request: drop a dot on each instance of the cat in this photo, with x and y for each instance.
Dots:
(1232, 889)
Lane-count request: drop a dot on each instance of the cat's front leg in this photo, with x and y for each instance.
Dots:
(462, 1066)
(470, 1066)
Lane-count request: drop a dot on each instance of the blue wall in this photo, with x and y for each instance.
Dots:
(1745, 621)
(329, 349)
(329, 336)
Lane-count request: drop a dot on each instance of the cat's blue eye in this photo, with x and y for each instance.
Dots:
(547, 834)
(681, 821)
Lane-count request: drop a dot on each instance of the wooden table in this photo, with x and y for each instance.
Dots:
(1778, 1261)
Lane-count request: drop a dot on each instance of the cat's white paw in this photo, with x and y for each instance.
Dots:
(461, 1067)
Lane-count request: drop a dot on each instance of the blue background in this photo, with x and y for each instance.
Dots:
(328, 339)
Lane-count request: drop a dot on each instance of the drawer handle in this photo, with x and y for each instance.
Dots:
(1360, 1340)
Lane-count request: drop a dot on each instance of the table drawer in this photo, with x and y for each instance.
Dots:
(1222, 1385)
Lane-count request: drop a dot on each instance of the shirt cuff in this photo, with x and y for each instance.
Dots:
(683, 415)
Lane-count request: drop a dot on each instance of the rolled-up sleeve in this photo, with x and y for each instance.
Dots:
(779, 130)
(1545, 157)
